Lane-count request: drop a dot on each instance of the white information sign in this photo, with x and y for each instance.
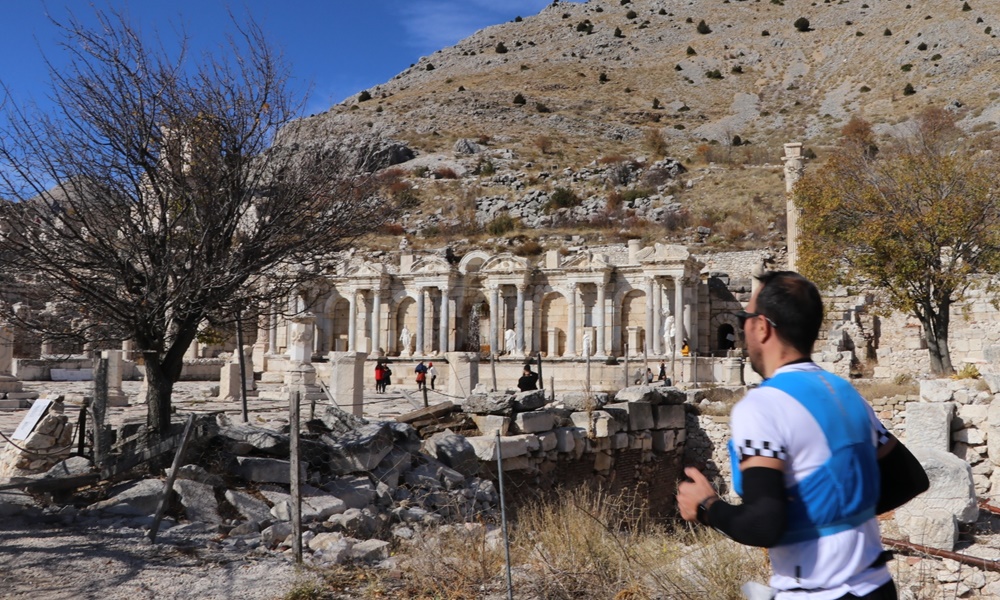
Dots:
(35, 414)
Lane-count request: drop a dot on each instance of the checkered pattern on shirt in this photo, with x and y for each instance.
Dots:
(766, 449)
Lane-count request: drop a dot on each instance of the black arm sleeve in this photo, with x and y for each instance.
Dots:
(902, 477)
(761, 519)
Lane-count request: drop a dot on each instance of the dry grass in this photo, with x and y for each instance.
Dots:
(586, 544)
(871, 389)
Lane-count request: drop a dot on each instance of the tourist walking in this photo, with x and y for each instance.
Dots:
(379, 377)
(421, 371)
(432, 373)
(811, 461)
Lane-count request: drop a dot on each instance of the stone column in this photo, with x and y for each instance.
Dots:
(571, 322)
(272, 338)
(420, 350)
(260, 346)
(688, 318)
(599, 318)
(678, 308)
(794, 166)
(7, 350)
(116, 397)
(376, 321)
(519, 340)
(463, 373)
(494, 317)
(352, 320)
(346, 383)
(443, 341)
(650, 309)
(657, 318)
(300, 344)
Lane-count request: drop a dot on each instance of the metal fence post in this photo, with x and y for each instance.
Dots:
(293, 477)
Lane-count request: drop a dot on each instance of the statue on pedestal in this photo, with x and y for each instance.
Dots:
(404, 341)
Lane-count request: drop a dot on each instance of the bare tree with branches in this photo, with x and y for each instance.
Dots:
(157, 194)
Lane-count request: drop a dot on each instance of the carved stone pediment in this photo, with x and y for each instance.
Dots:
(587, 261)
(663, 253)
(367, 269)
(431, 265)
(504, 264)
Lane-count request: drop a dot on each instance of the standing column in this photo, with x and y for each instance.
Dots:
(494, 317)
(519, 339)
(571, 325)
(376, 320)
(694, 333)
(445, 325)
(352, 320)
(599, 309)
(688, 330)
(657, 318)
(272, 338)
(420, 320)
(650, 309)
(678, 308)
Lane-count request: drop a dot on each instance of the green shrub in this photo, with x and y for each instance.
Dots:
(922, 46)
(906, 68)
(859, 33)
(656, 103)
(485, 166)
(865, 89)
(678, 68)
(988, 30)
(501, 224)
(364, 96)
(802, 24)
(690, 51)
(736, 70)
(663, 11)
(703, 28)
(634, 194)
(562, 198)
(887, 32)
(501, 49)
(618, 32)
(528, 248)
(631, 14)
(713, 74)
(541, 107)
(966, 7)
(765, 33)
(908, 90)
(585, 26)
(519, 99)
(936, 57)
(603, 78)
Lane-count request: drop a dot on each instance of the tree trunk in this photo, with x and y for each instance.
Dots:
(935, 325)
(158, 392)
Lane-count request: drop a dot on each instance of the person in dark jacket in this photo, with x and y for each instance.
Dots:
(528, 380)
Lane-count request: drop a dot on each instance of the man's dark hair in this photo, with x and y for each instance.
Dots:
(794, 305)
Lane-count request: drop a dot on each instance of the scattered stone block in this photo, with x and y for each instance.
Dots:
(530, 400)
(252, 509)
(952, 488)
(669, 416)
(934, 527)
(491, 424)
(454, 451)
(266, 470)
(640, 414)
(486, 447)
(356, 492)
(199, 501)
(533, 422)
(928, 425)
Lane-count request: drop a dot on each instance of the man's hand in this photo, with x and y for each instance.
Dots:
(691, 493)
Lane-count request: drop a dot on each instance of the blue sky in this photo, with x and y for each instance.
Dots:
(336, 48)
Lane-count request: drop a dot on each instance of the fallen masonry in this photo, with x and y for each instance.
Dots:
(365, 483)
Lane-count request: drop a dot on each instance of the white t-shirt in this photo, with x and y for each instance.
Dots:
(768, 422)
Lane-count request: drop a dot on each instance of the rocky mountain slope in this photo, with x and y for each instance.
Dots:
(590, 85)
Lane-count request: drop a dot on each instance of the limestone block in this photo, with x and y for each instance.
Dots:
(639, 393)
(664, 440)
(486, 447)
(141, 498)
(251, 508)
(619, 440)
(640, 414)
(548, 440)
(518, 463)
(970, 435)
(266, 470)
(331, 544)
(583, 420)
(619, 413)
(454, 451)
(370, 551)
(356, 492)
(993, 430)
(669, 416)
(490, 424)
(951, 486)
(928, 425)
(968, 454)
(360, 449)
(973, 414)
(530, 400)
(579, 442)
(935, 528)
(582, 400)
(198, 499)
(530, 440)
(565, 440)
(935, 390)
(604, 425)
(533, 422)
(490, 403)
(277, 534)
(318, 508)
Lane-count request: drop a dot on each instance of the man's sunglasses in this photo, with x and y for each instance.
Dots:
(745, 316)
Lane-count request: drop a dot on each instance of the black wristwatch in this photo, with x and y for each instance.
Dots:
(702, 514)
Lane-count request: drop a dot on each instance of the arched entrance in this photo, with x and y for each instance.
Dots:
(555, 316)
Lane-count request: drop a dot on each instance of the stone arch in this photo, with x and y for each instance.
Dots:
(724, 324)
(463, 340)
(338, 312)
(472, 262)
(554, 318)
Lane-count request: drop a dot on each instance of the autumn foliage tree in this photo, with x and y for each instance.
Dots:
(156, 195)
(916, 219)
